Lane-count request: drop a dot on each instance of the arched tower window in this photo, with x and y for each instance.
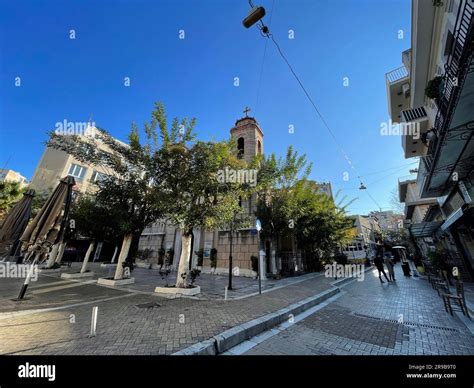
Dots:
(259, 148)
(240, 147)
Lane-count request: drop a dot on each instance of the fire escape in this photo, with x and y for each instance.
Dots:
(460, 63)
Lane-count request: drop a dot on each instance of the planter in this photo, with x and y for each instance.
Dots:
(77, 275)
(178, 291)
(113, 283)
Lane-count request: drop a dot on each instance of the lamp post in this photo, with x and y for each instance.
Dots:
(229, 287)
(258, 226)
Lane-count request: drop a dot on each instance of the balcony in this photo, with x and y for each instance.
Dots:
(398, 92)
(414, 123)
(452, 149)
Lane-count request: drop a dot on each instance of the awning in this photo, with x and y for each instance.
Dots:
(424, 229)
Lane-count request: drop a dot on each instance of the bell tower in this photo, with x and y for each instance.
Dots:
(249, 137)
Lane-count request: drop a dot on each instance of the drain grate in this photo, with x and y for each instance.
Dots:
(406, 323)
(149, 305)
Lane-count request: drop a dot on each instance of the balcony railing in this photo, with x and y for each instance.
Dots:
(456, 69)
(397, 74)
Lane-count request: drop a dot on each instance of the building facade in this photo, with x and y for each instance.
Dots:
(11, 176)
(56, 164)
(163, 235)
(432, 97)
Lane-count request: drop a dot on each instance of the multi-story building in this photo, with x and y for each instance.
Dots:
(7, 175)
(363, 244)
(280, 255)
(56, 164)
(432, 97)
(164, 235)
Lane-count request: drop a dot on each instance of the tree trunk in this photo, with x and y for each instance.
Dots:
(98, 251)
(114, 255)
(127, 240)
(52, 255)
(184, 259)
(62, 247)
(86, 257)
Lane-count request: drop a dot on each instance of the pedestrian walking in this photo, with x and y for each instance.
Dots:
(390, 264)
(378, 262)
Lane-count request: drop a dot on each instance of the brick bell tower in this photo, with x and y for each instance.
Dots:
(249, 137)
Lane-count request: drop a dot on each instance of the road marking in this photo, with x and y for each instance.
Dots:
(63, 287)
(28, 312)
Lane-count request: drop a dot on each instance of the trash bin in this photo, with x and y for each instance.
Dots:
(406, 269)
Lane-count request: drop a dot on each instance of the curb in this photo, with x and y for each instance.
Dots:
(234, 336)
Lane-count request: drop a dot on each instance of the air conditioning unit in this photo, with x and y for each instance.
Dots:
(406, 89)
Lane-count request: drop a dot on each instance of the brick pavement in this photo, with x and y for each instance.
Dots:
(125, 328)
(367, 319)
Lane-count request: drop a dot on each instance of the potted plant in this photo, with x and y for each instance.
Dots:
(193, 274)
(200, 254)
(213, 259)
(161, 257)
(254, 262)
(434, 89)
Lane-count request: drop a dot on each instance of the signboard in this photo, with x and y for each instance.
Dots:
(207, 249)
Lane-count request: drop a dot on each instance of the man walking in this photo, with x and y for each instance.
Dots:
(378, 262)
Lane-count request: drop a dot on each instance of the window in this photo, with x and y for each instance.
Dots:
(259, 148)
(77, 171)
(241, 147)
(449, 43)
(98, 177)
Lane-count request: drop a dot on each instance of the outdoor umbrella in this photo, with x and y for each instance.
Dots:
(47, 227)
(14, 225)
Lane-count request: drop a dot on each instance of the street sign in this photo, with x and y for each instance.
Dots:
(258, 225)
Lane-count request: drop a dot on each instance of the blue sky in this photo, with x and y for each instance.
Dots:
(64, 79)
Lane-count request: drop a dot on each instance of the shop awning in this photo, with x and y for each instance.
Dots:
(424, 229)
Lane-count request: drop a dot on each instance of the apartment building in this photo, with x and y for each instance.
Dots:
(363, 244)
(56, 164)
(7, 175)
(432, 98)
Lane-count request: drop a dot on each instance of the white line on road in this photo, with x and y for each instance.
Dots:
(28, 312)
(56, 288)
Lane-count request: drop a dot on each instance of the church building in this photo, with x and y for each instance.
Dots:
(163, 238)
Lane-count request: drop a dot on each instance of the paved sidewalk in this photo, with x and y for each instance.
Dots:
(402, 318)
(132, 322)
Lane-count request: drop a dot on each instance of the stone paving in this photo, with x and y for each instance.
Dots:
(401, 318)
(131, 321)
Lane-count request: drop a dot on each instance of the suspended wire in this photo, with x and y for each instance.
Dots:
(389, 169)
(264, 31)
(263, 62)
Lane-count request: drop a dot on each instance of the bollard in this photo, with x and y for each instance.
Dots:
(95, 312)
(225, 293)
(27, 280)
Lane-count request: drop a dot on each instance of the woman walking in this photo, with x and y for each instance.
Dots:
(390, 264)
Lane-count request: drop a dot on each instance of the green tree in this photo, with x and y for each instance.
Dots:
(187, 174)
(127, 184)
(10, 192)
